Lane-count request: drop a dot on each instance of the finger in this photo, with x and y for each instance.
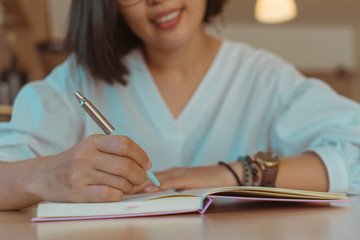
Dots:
(100, 193)
(122, 146)
(177, 182)
(153, 189)
(140, 188)
(148, 186)
(166, 184)
(165, 178)
(120, 166)
(120, 183)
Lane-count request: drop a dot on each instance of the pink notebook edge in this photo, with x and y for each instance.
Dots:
(208, 200)
(205, 204)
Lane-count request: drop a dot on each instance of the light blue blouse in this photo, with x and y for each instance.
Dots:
(249, 100)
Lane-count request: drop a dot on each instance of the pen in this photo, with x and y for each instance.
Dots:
(106, 126)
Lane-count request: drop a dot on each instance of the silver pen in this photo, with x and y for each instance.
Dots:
(106, 126)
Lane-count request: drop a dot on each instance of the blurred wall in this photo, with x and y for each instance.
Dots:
(310, 48)
(319, 14)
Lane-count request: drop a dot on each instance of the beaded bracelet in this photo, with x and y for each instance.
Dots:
(254, 171)
(232, 171)
(245, 164)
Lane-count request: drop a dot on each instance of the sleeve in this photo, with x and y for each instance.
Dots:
(43, 123)
(314, 118)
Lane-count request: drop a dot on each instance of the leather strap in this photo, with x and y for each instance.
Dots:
(269, 177)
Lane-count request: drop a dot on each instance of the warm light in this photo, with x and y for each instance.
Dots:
(275, 11)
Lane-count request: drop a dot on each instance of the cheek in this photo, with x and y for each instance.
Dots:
(137, 25)
(197, 8)
(135, 18)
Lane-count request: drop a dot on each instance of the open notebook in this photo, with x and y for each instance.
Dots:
(172, 202)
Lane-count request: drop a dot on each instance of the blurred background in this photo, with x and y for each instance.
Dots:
(321, 38)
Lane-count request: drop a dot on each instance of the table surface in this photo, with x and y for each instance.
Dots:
(237, 220)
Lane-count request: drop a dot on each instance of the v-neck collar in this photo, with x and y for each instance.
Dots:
(153, 102)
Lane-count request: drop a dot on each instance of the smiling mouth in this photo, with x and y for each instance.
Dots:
(169, 17)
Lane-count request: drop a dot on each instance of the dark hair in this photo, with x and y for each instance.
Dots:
(99, 37)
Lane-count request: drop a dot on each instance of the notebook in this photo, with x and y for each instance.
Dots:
(175, 202)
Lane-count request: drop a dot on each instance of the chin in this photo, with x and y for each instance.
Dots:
(171, 45)
(174, 41)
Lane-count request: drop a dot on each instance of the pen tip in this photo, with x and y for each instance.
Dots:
(78, 96)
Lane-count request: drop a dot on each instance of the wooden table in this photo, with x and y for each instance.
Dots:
(234, 221)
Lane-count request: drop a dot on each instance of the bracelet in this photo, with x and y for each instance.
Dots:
(254, 171)
(244, 162)
(232, 171)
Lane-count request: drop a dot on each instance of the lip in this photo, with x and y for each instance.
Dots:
(169, 24)
(164, 13)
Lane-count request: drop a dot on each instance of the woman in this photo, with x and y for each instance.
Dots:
(180, 98)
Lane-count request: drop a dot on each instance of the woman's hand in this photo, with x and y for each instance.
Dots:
(181, 178)
(99, 169)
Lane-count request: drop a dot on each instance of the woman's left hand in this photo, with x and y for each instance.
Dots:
(181, 178)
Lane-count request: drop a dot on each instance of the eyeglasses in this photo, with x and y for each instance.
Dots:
(127, 3)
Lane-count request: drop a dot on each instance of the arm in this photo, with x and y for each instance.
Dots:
(305, 172)
(99, 169)
(14, 180)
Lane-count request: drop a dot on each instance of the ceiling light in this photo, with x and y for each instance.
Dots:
(275, 11)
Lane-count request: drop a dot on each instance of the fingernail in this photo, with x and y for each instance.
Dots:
(148, 165)
(150, 189)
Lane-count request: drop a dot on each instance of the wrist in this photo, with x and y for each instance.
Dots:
(15, 180)
(31, 180)
(230, 174)
(239, 170)
(268, 163)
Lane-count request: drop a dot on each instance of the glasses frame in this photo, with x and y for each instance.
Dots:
(129, 2)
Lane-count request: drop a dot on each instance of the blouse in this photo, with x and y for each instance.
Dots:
(249, 100)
